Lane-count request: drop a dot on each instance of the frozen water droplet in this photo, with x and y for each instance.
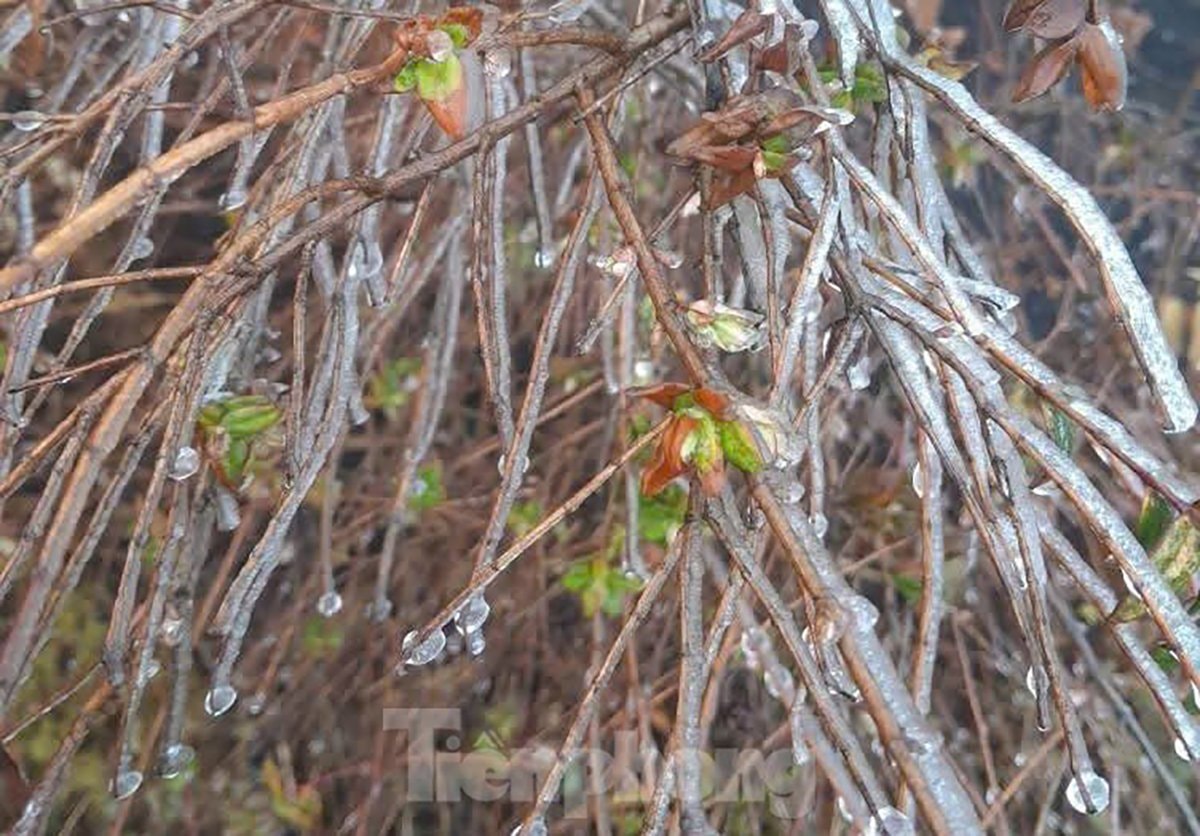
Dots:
(329, 604)
(889, 822)
(233, 199)
(151, 670)
(172, 631)
(918, 485)
(1031, 681)
(1088, 793)
(190, 60)
(844, 809)
(142, 248)
(820, 524)
(1187, 746)
(219, 700)
(544, 258)
(522, 467)
(28, 120)
(439, 44)
(472, 615)
(126, 783)
(643, 372)
(859, 375)
(174, 760)
(780, 685)
(229, 515)
(413, 654)
(187, 462)
(379, 610)
(256, 704)
(1195, 694)
(476, 643)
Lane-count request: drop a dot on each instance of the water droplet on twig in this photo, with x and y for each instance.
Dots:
(174, 760)
(28, 120)
(219, 700)
(413, 654)
(329, 604)
(1088, 793)
(126, 783)
(187, 462)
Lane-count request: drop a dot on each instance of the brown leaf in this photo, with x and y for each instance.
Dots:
(731, 158)
(714, 402)
(14, 790)
(663, 394)
(1102, 69)
(451, 112)
(1046, 69)
(1049, 19)
(749, 23)
(725, 187)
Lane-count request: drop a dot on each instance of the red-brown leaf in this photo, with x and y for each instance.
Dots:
(663, 394)
(748, 24)
(725, 187)
(1049, 19)
(1102, 69)
(658, 474)
(1046, 69)
(451, 112)
(14, 790)
(714, 402)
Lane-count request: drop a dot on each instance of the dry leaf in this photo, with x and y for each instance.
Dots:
(1046, 69)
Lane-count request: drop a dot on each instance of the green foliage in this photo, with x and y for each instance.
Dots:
(427, 489)
(433, 81)
(524, 516)
(1061, 430)
(232, 428)
(321, 637)
(869, 86)
(459, 34)
(390, 389)
(1177, 558)
(1153, 521)
(661, 516)
(908, 588)
(738, 447)
(600, 585)
(301, 811)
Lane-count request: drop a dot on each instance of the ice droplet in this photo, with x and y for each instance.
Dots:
(859, 375)
(219, 700)
(142, 248)
(918, 485)
(150, 671)
(229, 516)
(844, 809)
(28, 120)
(172, 631)
(1187, 746)
(187, 462)
(233, 199)
(544, 258)
(413, 654)
(126, 783)
(1088, 793)
(472, 615)
(174, 760)
(820, 524)
(889, 822)
(522, 467)
(329, 604)
(1031, 681)
(476, 643)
